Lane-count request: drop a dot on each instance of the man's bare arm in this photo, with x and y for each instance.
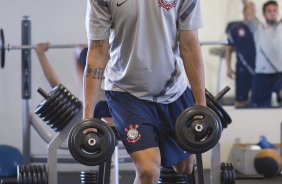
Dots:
(228, 57)
(97, 58)
(48, 70)
(192, 57)
(249, 10)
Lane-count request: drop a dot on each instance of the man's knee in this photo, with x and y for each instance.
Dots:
(147, 163)
(150, 171)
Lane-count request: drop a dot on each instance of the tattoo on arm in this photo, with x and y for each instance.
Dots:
(98, 73)
(88, 71)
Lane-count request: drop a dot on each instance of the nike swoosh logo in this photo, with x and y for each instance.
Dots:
(119, 4)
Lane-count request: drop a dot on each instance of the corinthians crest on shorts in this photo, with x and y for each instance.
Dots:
(132, 133)
(167, 4)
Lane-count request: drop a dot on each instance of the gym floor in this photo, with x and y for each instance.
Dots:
(127, 177)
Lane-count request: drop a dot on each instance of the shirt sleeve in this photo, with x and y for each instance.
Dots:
(230, 37)
(253, 24)
(190, 17)
(98, 20)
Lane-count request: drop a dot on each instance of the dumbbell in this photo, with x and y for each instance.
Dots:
(199, 128)
(91, 142)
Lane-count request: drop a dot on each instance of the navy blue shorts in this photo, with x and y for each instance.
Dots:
(82, 57)
(263, 87)
(102, 110)
(243, 84)
(143, 124)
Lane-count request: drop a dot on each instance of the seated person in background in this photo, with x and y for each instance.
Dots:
(268, 41)
(101, 109)
(240, 40)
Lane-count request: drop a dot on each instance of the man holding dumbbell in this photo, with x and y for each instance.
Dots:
(154, 48)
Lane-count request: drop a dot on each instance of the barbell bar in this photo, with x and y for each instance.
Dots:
(53, 46)
(9, 47)
(212, 43)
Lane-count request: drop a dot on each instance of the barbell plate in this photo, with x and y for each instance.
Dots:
(59, 113)
(69, 118)
(185, 126)
(64, 115)
(49, 111)
(97, 153)
(55, 92)
(214, 105)
(222, 114)
(44, 174)
(40, 174)
(35, 174)
(2, 48)
(30, 174)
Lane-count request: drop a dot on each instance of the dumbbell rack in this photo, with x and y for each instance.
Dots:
(53, 146)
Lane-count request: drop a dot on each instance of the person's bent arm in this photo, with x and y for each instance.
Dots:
(228, 58)
(192, 58)
(249, 10)
(49, 73)
(97, 58)
(250, 15)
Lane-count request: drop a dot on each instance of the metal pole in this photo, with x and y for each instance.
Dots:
(215, 165)
(221, 93)
(65, 46)
(52, 46)
(200, 169)
(213, 43)
(26, 88)
(281, 139)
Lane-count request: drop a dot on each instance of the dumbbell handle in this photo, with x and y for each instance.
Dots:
(43, 93)
(222, 93)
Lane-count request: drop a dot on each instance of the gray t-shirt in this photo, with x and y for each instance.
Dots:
(268, 41)
(144, 52)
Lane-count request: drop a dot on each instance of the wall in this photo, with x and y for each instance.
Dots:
(63, 22)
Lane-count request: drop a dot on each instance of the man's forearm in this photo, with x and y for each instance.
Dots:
(92, 83)
(196, 77)
(97, 59)
(193, 63)
(49, 72)
(228, 52)
(249, 9)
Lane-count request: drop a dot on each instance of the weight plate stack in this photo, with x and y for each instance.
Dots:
(58, 108)
(89, 177)
(32, 174)
(227, 173)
